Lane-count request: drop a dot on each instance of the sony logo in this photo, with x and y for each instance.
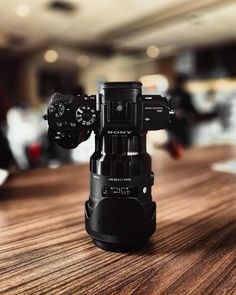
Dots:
(125, 132)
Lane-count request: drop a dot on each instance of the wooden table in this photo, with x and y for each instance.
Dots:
(44, 248)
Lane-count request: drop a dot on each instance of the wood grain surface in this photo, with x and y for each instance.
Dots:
(44, 248)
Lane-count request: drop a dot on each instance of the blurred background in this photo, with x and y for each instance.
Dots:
(184, 49)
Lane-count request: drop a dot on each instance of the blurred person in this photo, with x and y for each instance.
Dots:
(4, 107)
(25, 129)
(6, 157)
(222, 109)
(186, 114)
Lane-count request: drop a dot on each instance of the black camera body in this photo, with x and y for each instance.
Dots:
(120, 214)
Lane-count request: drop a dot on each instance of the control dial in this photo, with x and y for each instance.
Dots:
(85, 115)
(57, 109)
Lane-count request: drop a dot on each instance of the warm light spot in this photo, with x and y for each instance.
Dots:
(51, 56)
(22, 10)
(82, 60)
(152, 51)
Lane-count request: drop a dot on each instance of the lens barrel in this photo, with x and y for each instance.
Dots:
(120, 214)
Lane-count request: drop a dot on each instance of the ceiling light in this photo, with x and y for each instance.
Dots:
(50, 56)
(82, 60)
(152, 51)
(22, 10)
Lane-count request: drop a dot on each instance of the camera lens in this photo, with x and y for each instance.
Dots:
(120, 213)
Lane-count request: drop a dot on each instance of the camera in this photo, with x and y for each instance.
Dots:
(120, 214)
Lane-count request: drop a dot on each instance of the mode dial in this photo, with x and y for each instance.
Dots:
(85, 115)
(57, 109)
